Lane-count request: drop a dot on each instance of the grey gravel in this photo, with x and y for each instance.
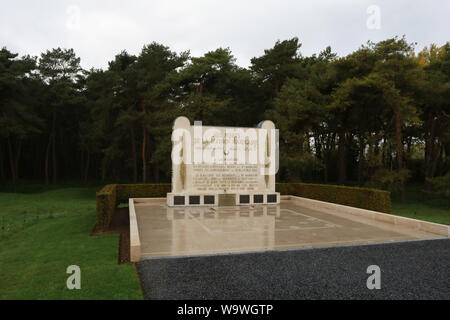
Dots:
(409, 270)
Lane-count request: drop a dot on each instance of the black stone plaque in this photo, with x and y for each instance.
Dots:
(258, 198)
(208, 199)
(194, 199)
(178, 200)
(271, 198)
(244, 199)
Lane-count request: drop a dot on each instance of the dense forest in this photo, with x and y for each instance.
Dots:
(378, 117)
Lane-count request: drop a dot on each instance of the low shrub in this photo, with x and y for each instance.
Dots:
(110, 196)
(364, 198)
(106, 204)
(127, 191)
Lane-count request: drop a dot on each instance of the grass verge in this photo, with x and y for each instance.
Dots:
(432, 208)
(49, 231)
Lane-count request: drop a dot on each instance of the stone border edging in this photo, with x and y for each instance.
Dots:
(135, 243)
(329, 207)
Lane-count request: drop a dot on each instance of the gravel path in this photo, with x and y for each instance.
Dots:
(409, 270)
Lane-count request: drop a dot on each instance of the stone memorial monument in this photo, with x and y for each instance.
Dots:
(223, 166)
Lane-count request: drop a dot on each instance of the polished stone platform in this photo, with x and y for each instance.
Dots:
(186, 231)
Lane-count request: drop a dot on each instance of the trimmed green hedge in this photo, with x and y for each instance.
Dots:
(370, 199)
(106, 204)
(112, 195)
(127, 191)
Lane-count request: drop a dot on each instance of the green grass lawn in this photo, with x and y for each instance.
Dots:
(434, 209)
(45, 232)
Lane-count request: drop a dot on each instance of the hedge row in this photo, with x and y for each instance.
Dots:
(370, 199)
(127, 191)
(106, 204)
(112, 195)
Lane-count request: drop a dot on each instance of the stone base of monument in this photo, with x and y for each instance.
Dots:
(159, 231)
(222, 200)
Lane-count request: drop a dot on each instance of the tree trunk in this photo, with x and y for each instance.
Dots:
(318, 147)
(144, 147)
(47, 154)
(277, 85)
(86, 170)
(11, 163)
(399, 151)
(429, 148)
(436, 155)
(54, 146)
(342, 164)
(144, 160)
(133, 154)
(330, 142)
(440, 170)
(2, 168)
(17, 160)
(149, 155)
(432, 153)
(308, 144)
(82, 165)
(360, 161)
(156, 172)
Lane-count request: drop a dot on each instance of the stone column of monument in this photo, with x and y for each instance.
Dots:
(179, 171)
(269, 153)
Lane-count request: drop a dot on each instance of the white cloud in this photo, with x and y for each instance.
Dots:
(247, 27)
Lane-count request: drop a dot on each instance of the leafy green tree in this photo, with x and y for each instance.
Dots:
(379, 115)
(153, 66)
(126, 103)
(436, 112)
(301, 111)
(344, 107)
(401, 79)
(277, 64)
(360, 101)
(59, 69)
(18, 117)
(205, 82)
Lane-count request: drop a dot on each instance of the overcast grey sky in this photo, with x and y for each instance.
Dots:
(100, 29)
